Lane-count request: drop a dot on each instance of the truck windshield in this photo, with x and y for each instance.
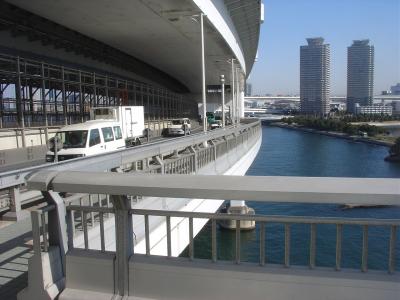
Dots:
(73, 139)
(177, 122)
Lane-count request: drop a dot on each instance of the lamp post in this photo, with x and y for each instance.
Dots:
(233, 117)
(223, 99)
(203, 74)
(237, 96)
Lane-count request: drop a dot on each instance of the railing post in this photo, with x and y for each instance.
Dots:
(196, 163)
(57, 226)
(35, 220)
(15, 213)
(123, 241)
(160, 162)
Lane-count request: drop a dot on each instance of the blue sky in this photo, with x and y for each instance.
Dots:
(289, 22)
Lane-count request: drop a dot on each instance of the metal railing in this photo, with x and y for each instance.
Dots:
(360, 191)
(40, 229)
(262, 220)
(185, 155)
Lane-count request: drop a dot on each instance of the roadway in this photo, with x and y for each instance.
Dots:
(38, 162)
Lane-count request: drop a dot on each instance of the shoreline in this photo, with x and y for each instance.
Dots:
(333, 134)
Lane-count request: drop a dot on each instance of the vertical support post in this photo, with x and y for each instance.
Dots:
(237, 96)
(233, 117)
(169, 248)
(223, 99)
(1, 105)
(36, 233)
(124, 242)
(57, 227)
(364, 262)
(214, 239)
(44, 105)
(106, 88)
(70, 228)
(392, 249)
(64, 97)
(262, 243)
(15, 213)
(287, 245)
(237, 241)
(313, 236)
(94, 90)
(81, 102)
(161, 163)
(20, 104)
(339, 230)
(191, 242)
(147, 234)
(203, 74)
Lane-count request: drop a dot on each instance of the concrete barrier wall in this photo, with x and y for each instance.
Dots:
(16, 157)
(12, 138)
(162, 278)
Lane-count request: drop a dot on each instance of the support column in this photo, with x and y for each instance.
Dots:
(64, 97)
(20, 104)
(233, 110)
(44, 106)
(203, 74)
(123, 242)
(222, 78)
(81, 101)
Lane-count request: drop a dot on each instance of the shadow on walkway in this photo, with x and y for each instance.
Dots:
(15, 250)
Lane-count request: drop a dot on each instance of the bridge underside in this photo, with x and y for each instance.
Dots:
(132, 35)
(58, 59)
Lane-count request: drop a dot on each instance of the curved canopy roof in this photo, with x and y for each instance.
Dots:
(162, 33)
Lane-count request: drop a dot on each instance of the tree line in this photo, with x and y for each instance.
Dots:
(336, 124)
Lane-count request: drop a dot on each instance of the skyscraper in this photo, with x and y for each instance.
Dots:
(248, 89)
(314, 77)
(360, 74)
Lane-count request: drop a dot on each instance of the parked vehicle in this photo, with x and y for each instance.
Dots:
(111, 128)
(179, 127)
(210, 117)
(216, 124)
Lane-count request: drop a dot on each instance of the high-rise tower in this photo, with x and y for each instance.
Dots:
(360, 74)
(314, 77)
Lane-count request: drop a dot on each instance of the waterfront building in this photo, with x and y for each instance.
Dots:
(360, 74)
(395, 89)
(248, 90)
(314, 77)
(396, 107)
(373, 109)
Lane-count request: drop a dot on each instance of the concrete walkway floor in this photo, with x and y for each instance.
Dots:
(15, 250)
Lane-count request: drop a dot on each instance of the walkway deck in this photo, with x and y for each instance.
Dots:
(15, 250)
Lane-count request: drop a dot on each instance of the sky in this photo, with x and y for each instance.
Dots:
(289, 22)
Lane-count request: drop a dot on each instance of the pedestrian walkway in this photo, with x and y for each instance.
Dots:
(15, 250)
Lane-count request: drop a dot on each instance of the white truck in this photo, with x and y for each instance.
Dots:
(109, 129)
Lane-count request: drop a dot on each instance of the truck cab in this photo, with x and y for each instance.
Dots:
(89, 138)
(179, 126)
